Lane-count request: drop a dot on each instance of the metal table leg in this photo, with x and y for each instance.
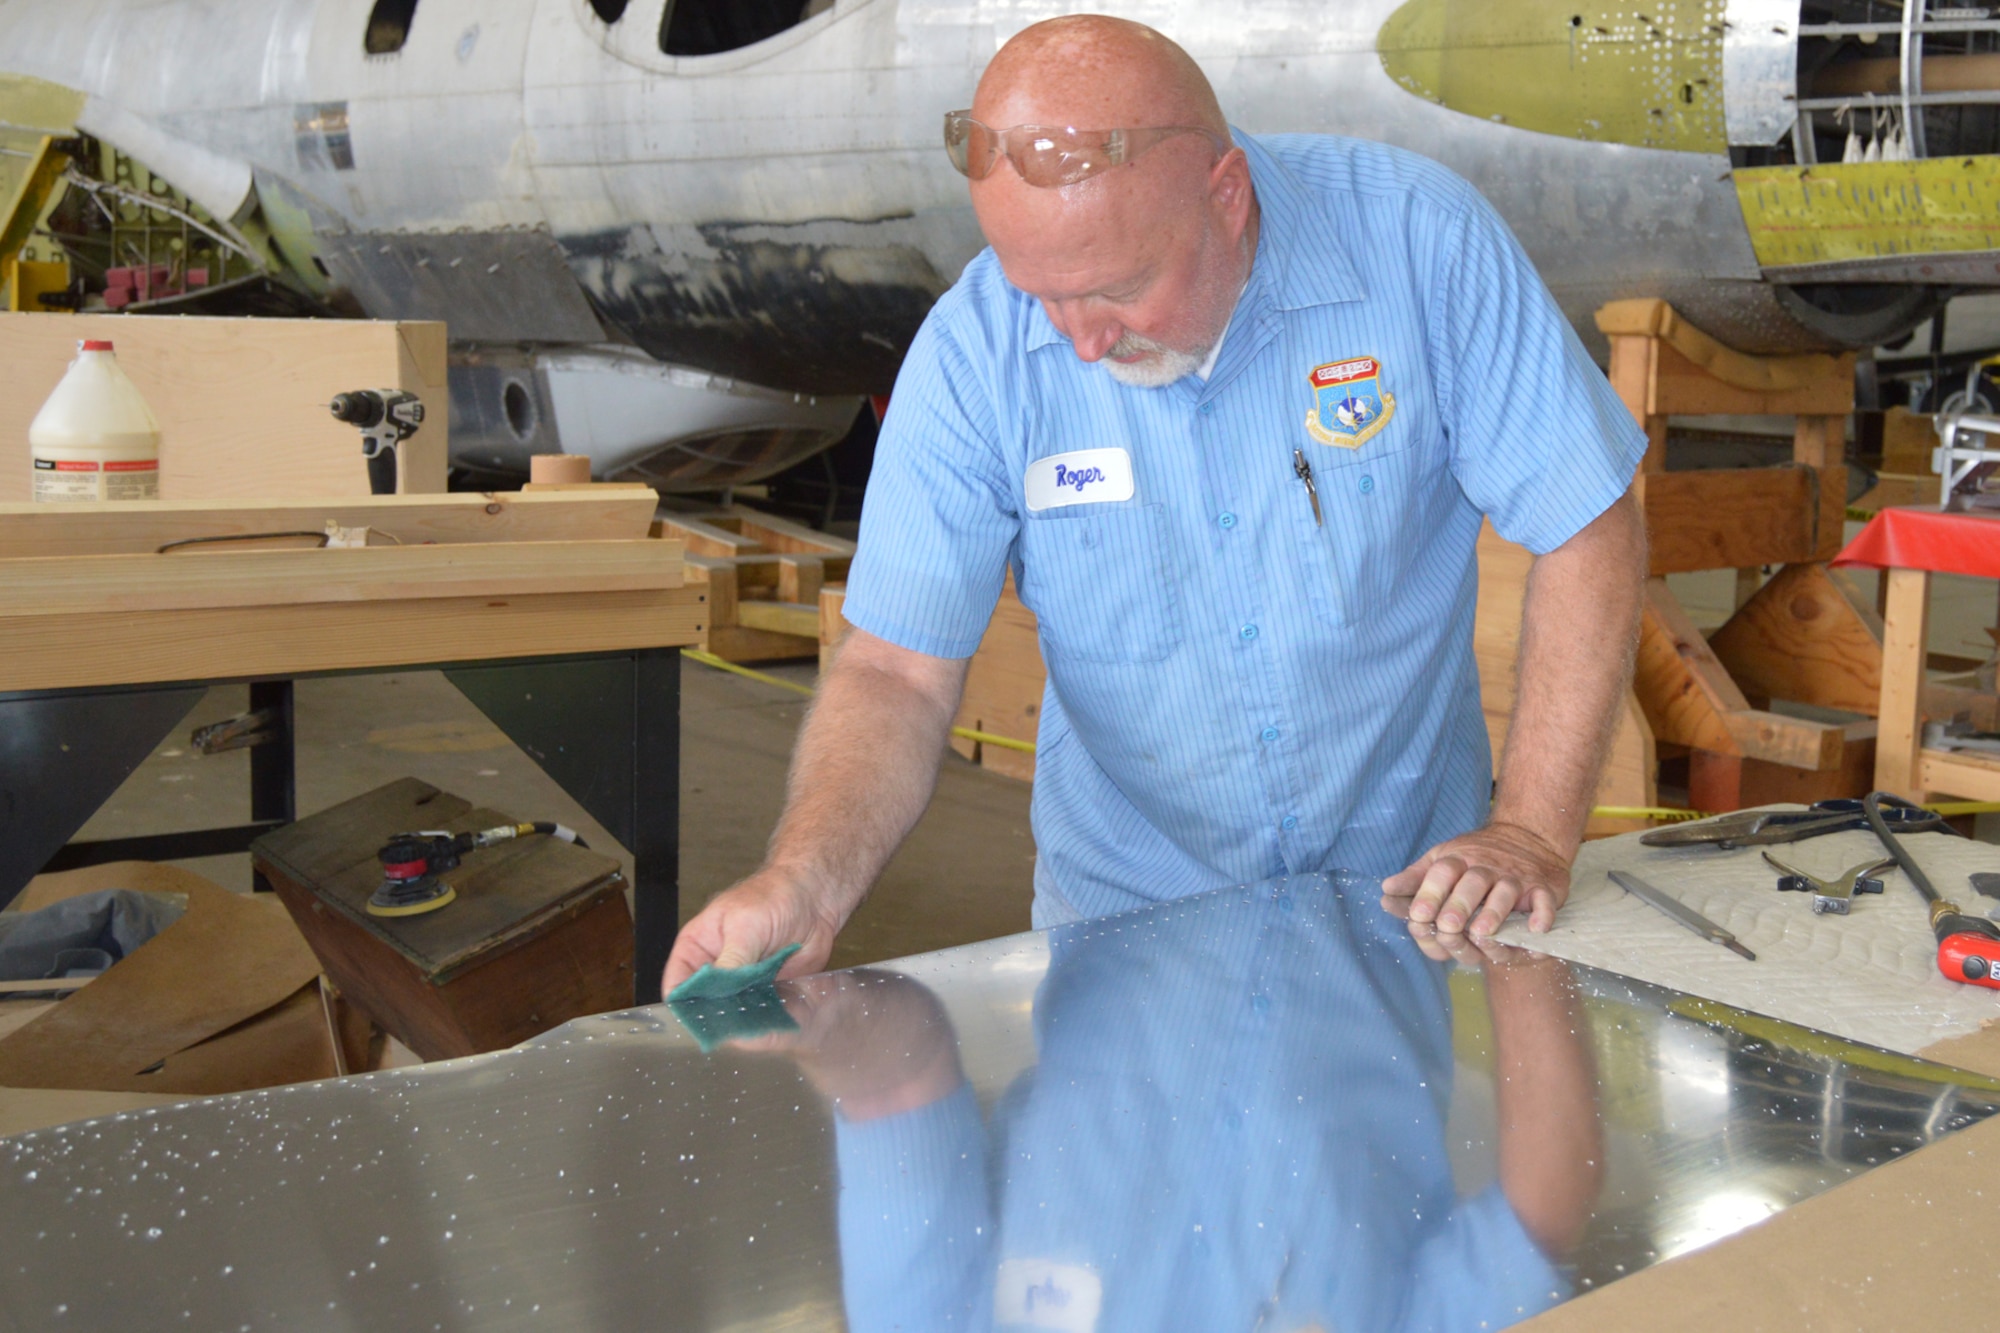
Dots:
(606, 727)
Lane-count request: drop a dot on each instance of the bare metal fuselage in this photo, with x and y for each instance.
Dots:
(780, 213)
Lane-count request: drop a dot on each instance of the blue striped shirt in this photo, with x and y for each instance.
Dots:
(1236, 692)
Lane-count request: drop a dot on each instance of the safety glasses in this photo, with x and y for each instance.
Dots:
(1047, 156)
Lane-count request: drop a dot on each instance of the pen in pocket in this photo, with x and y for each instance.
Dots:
(1305, 474)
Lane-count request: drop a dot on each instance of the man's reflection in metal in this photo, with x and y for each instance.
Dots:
(1237, 1121)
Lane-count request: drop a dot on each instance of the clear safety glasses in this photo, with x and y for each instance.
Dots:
(1046, 155)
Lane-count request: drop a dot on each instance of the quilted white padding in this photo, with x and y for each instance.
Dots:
(1870, 976)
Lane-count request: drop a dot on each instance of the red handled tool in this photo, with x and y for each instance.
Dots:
(1968, 946)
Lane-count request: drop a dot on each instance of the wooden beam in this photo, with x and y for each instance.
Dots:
(1730, 519)
(603, 513)
(202, 579)
(706, 538)
(797, 618)
(833, 624)
(147, 647)
(1905, 623)
(1800, 638)
(1974, 777)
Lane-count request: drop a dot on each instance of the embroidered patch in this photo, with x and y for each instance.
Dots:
(1349, 404)
(1087, 476)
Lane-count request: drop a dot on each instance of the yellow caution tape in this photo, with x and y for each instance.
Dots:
(1666, 814)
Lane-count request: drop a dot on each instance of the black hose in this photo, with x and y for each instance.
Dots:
(1871, 807)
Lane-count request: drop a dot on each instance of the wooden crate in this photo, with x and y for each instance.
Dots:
(763, 576)
(538, 935)
(242, 403)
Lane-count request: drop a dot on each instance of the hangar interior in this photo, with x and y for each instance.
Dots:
(432, 468)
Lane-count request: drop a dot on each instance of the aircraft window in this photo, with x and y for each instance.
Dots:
(608, 10)
(389, 26)
(706, 27)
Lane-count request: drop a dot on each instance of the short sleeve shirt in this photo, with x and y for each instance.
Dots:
(1236, 688)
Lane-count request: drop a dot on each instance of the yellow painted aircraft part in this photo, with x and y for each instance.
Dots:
(1871, 210)
(1583, 71)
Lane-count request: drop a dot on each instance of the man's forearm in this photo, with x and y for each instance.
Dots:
(1579, 628)
(865, 767)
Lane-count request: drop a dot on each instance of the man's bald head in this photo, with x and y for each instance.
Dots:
(1092, 71)
(1140, 262)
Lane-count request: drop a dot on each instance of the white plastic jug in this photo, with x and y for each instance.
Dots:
(95, 438)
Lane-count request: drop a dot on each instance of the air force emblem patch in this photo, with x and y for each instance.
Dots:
(1349, 404)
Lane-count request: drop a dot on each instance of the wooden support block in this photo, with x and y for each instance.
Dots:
(1801, 638)
(1908, 440)
(1731, 782)
(1003, 688)
(1683, 689)
(242, 403)
(601, 513)
(1905, 623)
(797, 619)
(1732, 518)
(704, 537)
(800, 577)
(833, 624)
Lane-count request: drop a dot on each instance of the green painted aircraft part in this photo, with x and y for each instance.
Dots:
(1650, 77)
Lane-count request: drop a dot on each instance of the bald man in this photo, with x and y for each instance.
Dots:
(1231, 408)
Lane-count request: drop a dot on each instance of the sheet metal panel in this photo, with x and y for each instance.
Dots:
(1262, 1105)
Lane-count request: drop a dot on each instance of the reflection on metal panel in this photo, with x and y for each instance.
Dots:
(1760, 56)
(1261, 1107)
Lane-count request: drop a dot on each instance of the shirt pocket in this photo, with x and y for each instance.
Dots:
(1100, 583)
(1374, 502)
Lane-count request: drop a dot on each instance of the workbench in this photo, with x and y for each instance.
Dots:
(557, 614)
(1258, 1107)
(1909, 545)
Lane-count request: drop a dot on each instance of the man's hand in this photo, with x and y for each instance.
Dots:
(749, 922)
(1480, 878)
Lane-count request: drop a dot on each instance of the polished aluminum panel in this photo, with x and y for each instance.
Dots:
(1262, 1108)
(1760, 61)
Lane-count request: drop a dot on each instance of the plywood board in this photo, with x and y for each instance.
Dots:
(242, 403)
(1800, 638)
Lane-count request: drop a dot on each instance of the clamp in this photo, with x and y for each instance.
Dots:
(1831, 895)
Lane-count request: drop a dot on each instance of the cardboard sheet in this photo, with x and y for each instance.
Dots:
(222, 966)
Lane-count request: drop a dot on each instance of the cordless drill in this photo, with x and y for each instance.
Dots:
(386, 417)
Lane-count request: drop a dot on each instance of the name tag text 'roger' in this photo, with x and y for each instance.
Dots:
(1088, 476)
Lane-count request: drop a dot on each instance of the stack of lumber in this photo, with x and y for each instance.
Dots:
(763, 577)
(89, 597)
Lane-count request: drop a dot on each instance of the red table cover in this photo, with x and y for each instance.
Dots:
(1926, 539)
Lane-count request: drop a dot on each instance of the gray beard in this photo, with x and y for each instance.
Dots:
(1162, 365)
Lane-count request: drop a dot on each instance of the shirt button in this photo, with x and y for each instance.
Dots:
(1207, 408)
(1261, 1003)
(1248, 631)
(1367, 485)
(1226, 520)
(1270, 734)
(1288, 823)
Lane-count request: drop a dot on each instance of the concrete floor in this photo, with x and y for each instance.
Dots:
(965, 874)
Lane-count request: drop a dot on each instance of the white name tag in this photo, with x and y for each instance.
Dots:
(1088, 476)
(1036, 1293)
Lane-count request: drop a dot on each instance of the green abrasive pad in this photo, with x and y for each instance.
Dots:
(717, 983)
(757, 1012)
